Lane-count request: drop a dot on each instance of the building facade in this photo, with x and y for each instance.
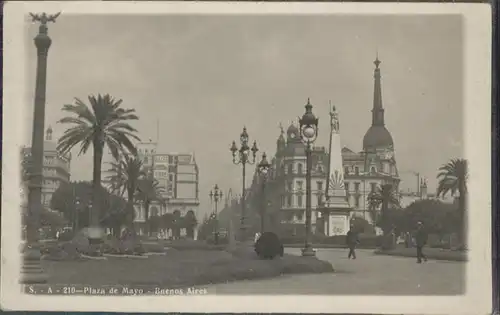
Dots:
(56, 167)
(363, 171)
(178, 177)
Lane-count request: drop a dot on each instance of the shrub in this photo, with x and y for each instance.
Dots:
(66, 236)
(268, 246)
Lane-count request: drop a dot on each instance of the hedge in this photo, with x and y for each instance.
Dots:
(366, 241)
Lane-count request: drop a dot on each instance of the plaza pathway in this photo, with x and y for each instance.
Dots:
(369, 274)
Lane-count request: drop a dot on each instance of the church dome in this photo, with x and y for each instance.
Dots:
(377, 137)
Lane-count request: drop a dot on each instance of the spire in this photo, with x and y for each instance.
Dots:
(378, 110)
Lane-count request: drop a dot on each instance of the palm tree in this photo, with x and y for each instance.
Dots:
(149, 190)
(100, 123)
(453, 177)
(125, 176)
(384, 197)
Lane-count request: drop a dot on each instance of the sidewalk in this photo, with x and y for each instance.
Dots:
(431, 253)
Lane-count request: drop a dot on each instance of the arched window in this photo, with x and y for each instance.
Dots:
(299, 168)
(346, 170)
(373, 170)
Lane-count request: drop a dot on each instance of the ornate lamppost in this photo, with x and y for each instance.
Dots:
(308, 126)
(242, 156)
(215, 197)
(32, 271)
(263, 167)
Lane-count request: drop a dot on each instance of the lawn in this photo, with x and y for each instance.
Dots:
(181, 268)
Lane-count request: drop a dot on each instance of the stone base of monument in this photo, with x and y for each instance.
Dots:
(308, 251)
(32, 271)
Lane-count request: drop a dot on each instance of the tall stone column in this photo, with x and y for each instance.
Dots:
(32, 271)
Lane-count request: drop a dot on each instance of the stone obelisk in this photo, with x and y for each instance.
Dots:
(336, 208)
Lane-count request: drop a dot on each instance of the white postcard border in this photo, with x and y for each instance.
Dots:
(477, 100)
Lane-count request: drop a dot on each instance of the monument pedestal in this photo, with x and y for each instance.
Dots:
(32, 272)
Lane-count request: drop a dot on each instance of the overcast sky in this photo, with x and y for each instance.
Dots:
(205, 77)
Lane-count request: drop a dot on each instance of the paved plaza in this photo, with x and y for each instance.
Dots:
(369, 274)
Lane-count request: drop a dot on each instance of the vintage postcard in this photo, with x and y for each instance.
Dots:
(246, 157)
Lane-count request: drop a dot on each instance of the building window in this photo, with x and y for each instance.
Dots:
(299, 185)
(290, 168)
(320, 199)
(282, 201)
(320, 169)
(289, 201)
(299, 168)
(171, 177)
(346, 170)
(300, 215)
(356, 170)
(346, 186)
(145, 159)
(170, 160)
(356, 187)
(289, 186)
(320, 186)
(373, 170)
(356, 202)
(299, 201)
(373, 186)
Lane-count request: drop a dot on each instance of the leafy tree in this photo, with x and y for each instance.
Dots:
(384, 197)
(176, 223)
(189, 222)
(148, 190)
(100, 123)
(125, 176)
(74, 201)
(453, 177)
(361, 225)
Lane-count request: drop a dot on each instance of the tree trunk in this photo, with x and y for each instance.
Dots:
(462, 204)
(96, 184)
(146, 215)
(130, 209)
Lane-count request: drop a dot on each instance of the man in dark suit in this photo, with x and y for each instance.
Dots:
(421, 240)
(352, 240)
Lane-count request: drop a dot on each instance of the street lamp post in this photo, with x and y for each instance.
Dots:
(32, 271)
(77, 215)
(216, 196)
(263, 167)
(242, 156)
(309, 132)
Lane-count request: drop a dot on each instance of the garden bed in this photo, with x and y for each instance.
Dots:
(182, 268)
(431, 253)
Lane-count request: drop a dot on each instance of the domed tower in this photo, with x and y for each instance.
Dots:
(377, 137)
(293, 134)
(48, 134)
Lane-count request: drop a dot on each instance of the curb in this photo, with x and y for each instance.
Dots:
(458, 258)
(126, 256)
(92, 257)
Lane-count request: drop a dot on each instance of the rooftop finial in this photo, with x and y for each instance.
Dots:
(377, 62)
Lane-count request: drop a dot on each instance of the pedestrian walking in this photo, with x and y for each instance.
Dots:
(421, 240)
(352, 240)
